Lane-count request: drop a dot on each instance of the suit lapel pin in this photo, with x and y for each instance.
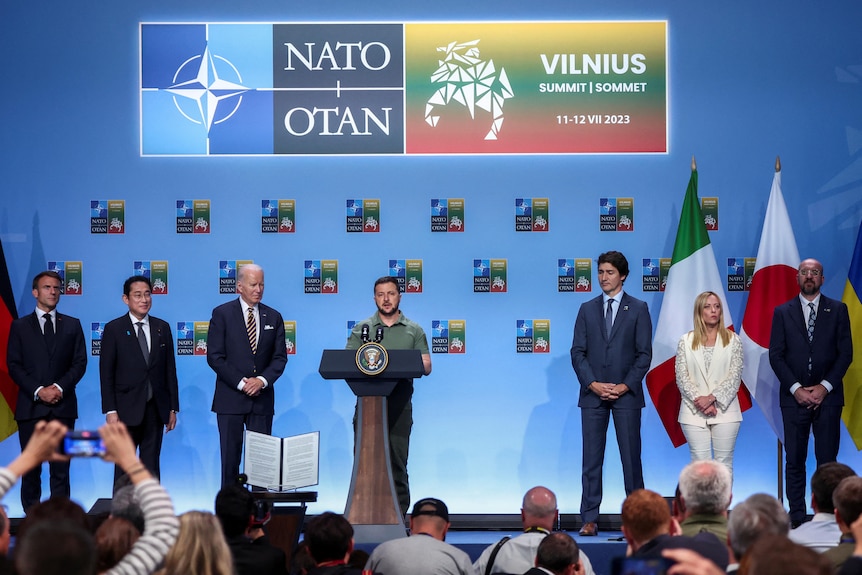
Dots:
(625, 308)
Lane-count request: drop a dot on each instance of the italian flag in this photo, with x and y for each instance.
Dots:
(8, 389)
(692, 271)
(774, 282)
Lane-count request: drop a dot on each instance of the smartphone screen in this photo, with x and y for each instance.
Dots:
(83, 444)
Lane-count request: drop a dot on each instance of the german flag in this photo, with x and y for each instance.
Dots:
(8, 389)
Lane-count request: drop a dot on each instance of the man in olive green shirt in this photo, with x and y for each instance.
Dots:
(398, 333)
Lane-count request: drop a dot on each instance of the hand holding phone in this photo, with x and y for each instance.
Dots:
(83, 444)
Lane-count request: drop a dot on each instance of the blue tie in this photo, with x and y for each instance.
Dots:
(609, 317)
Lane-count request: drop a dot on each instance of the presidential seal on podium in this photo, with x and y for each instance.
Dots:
(372, 358)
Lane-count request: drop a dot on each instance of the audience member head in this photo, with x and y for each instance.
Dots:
(329, 537)
(114, 538)
(358, 558)
(678, 506)
(56, 547)
(760, 514)
(431, 517)
(823, 483)
(558, 553)
(200, 548)
(5, 535)
(645, 516)
(52, 510)
(539, 508)
(705, 488)
(848, 502)
(777, 555)
(125, 505)
(301, 562)
(234, 507)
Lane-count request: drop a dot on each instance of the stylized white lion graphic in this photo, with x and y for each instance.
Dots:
(201, 345)
(470, 81)
(709, 220)
(456, 343)
(540, 222)
(371, 223)
(541, 343)
(159, 285)
(498, 283)
(73, 286)
(456, 223)
(583, 282)
(625, 222)
(202, 224)
(286, 223)
(329, 284)
(413, 284)
(288, 346)
(116, 224)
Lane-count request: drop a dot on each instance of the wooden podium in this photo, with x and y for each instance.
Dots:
(372, 504)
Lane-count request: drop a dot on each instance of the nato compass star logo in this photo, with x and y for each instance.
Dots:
(206, 97)
(206, 89)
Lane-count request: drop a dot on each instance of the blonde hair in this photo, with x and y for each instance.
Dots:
(700, 327)
(200, 549)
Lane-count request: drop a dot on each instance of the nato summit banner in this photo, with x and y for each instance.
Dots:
(216, 89)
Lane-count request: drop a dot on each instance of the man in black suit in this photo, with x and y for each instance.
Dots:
(138, 373)
(611, 354)
(246, 349)
(558, 554)
(46, 358)
(810, 349)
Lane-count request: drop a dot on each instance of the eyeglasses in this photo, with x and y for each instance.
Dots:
(809, 273)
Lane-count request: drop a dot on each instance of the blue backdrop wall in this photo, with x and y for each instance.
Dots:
(746, 82)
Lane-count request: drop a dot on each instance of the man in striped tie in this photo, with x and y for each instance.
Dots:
(810, 350)
(246, 349)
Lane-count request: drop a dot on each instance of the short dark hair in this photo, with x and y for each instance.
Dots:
(848, 499)
(557, 551)
(385, 280)
(53, 510)
(71, 551)
(127, 285)
(234, 507)
(328, 536)
(773, 553)
(46, 273)
(616, 259)
(824, 481)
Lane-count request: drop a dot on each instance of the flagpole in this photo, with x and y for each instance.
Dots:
(778, 441)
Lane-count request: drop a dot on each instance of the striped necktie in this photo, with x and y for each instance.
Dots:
(251, 328)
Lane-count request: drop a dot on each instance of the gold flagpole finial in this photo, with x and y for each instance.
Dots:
(777, 163)
(693, 164)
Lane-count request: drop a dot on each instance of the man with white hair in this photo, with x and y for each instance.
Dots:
(246, 350)
(704, 489)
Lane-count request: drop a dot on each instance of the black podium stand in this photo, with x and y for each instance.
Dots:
(372, 504)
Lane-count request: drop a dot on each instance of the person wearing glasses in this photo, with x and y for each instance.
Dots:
(810, 349)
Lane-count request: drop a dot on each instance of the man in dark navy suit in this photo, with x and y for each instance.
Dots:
(46, 358)
(138, 373)
(246, 349)
(810, 349)
(611, 354)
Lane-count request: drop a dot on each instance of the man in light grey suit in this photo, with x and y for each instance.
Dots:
(611, 354)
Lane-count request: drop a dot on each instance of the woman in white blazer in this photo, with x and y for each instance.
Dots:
(708, 370)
